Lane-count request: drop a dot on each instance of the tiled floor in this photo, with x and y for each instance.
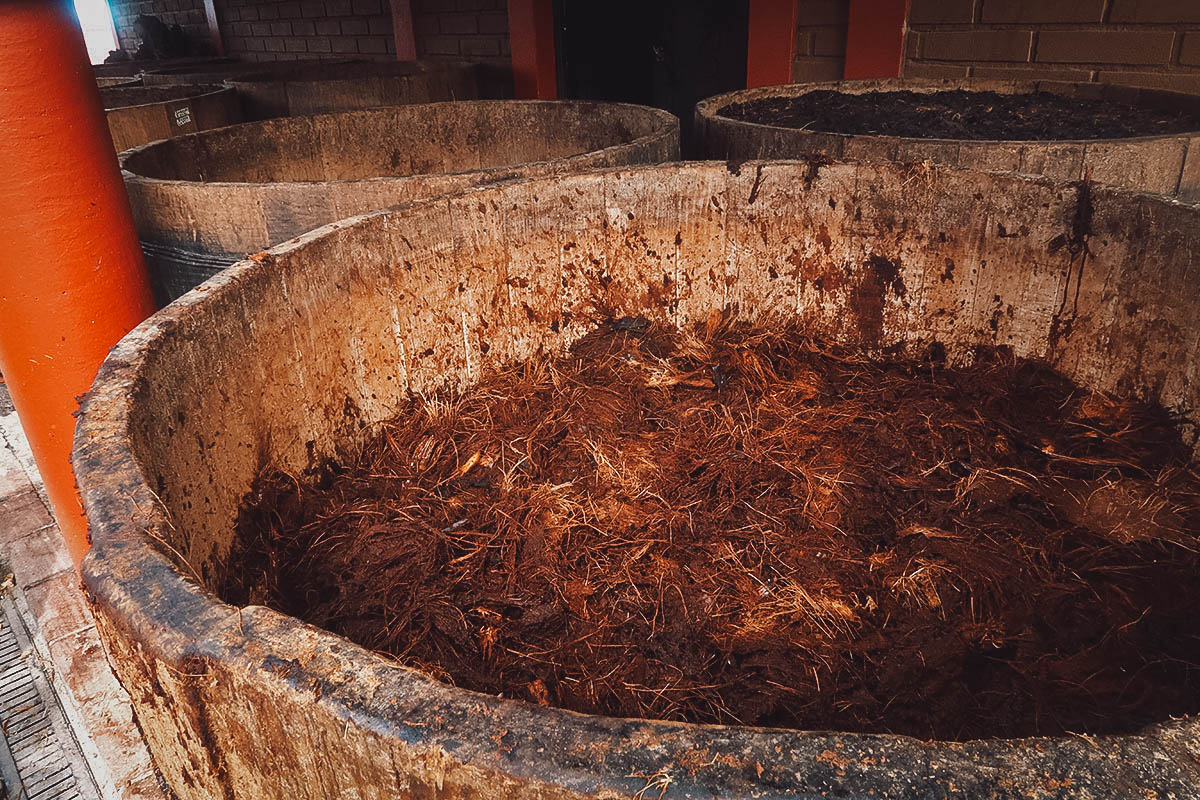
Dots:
(63, 640)
(38, 751)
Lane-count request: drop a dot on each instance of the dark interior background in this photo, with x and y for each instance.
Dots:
(663, 53)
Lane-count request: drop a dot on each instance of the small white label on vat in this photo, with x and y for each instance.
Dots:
(183, 116)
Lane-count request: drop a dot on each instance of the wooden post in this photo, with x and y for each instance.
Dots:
(875, 38)
(402, 30)
(531, 39)
(214, 27)
(771, 45)
(72, 278)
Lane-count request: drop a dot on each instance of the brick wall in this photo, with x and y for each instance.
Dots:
(1150, 43)
(282, 30)
(473, 29)
(821, 40)
(188, 14)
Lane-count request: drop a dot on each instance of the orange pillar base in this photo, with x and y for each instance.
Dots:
(72, 278)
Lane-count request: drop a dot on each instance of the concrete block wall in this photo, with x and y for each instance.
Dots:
(476, 30)
(820, 53)
(1148, 43)
(188, 14)
(283, 30)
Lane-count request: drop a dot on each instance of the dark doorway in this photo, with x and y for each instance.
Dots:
(664, 53)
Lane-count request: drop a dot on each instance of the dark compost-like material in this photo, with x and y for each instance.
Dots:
(744, 526)
(1119, 135)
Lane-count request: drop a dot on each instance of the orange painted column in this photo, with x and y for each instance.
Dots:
(771, 42)
(403, 31)
(72, 279)
(531, 41)
(214, 28)
(875, 38)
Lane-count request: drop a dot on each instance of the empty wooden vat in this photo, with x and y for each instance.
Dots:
(286, 90)
(205, 200)
(293, 88)
(140, 114)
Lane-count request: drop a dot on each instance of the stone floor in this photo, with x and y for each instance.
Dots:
(63, 643)
(39, 754)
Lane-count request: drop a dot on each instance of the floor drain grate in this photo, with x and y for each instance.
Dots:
(39, 757)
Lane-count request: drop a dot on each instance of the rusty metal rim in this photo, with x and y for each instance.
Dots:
(710, 107)
(279, 71)
(119, 81)
(233, 71)
(139, 585)
(227, 67)
(666, 126)
(135, 68)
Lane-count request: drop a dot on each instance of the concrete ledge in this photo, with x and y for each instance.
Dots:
(50, 601)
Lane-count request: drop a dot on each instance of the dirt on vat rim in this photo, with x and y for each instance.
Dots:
(960, 114)
(1164, 163)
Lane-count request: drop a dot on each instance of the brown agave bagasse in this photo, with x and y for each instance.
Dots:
(739, 524)
(1167, 163)
(300, 356)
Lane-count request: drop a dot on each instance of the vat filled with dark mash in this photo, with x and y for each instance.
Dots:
(1120, 135)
